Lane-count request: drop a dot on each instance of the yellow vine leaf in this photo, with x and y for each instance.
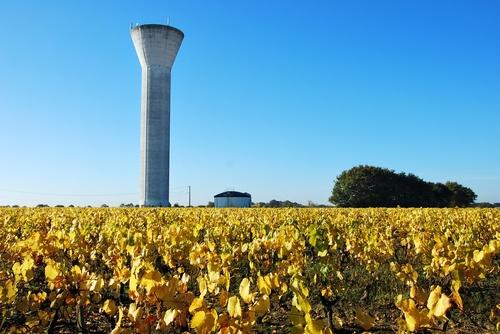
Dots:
(16, 269)
(323, 253)
(234, 307)
(150, 279)
(248, 319)
(433, 298)
(478, 256)
(109, 307)
(455, 286)
(299, 299)
(442, 306)
(227, 276)
(96, 284)
(263, 286)
(198, 319)
(263, 305)
(27, 268)
(410, 312)
(272, 280)
(313, 326)
(76, 270)
(196, 304)
(337, 322)
(418, 244)
(165, 291)
(134, 312)
(133, 282)
(418, 294)
(38, 297)
(202, 285)
(51, 272)
(118, 328)
(245, 291)
(170, 316)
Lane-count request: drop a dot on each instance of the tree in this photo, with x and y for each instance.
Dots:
(368, 186)
(441, 195)
(365, 186)
(278, 204)
(483, 205)
(460, 196)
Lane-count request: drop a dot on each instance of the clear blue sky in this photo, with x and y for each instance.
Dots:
(275, 98)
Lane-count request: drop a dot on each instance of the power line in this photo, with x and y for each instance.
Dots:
(67, 195)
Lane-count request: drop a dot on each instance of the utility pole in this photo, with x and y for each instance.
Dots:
(189, 188)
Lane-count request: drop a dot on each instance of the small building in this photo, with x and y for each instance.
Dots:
(232, 199)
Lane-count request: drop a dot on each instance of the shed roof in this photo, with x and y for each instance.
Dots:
(233, 194)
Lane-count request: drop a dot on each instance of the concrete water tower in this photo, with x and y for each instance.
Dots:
(156, 46)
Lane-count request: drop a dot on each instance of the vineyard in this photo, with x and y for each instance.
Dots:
(69, 270)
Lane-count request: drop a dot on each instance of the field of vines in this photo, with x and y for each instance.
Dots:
(200, 270)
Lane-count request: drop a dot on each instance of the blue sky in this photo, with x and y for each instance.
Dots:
(275, 98)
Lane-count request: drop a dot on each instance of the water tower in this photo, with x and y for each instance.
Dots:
(156, 46)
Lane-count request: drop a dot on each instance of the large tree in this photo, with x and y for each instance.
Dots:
(460, 195)
(368, 186)
(365, 186)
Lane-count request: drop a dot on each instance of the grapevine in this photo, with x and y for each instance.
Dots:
(129, 270)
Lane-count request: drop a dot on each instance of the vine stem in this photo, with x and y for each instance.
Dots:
(80, 323)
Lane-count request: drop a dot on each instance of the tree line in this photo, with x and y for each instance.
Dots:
(369, 186)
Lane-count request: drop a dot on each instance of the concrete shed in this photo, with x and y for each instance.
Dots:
(232, 199)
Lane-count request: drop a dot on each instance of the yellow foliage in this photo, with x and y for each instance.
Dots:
(234, 307)
(134, 312)
(264, 287)
(314, 326)
(198, 319)
(411, 314)
(110, 307)
(262, 305)
(196, 304)
(150, 279)
(51, 272)
(245, 291)
(442, 305)
(418, 295)
(434, 298)
(180, 266)
(170, 316)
